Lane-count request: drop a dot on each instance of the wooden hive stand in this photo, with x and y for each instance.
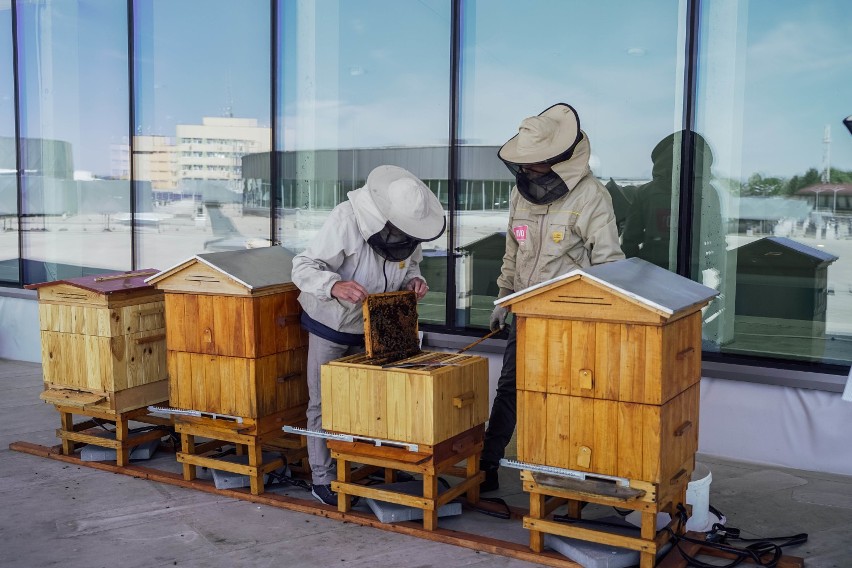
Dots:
(249, 437)
(103, 357)
(427, 461)
(91, 431)
(236, 357)
(549, 492)
(608, 375)
(423, 414)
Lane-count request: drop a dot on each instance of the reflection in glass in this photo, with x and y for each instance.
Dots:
(361, 84)
(620, 69)
(9, 257)
(73, 114)
(196, 133)
(771, 104)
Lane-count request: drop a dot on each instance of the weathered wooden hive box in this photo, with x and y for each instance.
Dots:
(235, 346)
(103, 341)
(424, 400)
(608, 371)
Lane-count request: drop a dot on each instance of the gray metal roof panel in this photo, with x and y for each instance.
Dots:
(638, 279)
(255, 268)
(650, 283)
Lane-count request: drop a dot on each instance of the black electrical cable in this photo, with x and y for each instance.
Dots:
(717, 539)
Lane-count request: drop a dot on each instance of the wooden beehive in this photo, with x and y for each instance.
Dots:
(424, 400)
(102, 341)
(234, 341)
(608, 366)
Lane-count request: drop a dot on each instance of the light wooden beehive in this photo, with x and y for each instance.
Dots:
(103, 341)
(234, 341)
(442, 395)
(608, 366)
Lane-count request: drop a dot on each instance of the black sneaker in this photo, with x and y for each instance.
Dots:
(492, 481)
(325, 495)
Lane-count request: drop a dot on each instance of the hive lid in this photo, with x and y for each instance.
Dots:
(107, 283)
(642, 281)
(253, 268)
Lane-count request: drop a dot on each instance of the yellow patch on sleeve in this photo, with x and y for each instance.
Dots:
(557, 236)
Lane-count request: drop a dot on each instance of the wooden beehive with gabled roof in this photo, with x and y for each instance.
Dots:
(102, 341)
(235, 345)
(608, 366)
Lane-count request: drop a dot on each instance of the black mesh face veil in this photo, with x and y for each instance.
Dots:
(542, 189)
(392, 244)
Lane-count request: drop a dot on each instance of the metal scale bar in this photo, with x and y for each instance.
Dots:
(196, 413)
(561, 472)
(348, 438)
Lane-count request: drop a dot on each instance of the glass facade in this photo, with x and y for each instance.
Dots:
(73, 99)
(773, 79)
(361, 84)
(173, 129)
(193, 129)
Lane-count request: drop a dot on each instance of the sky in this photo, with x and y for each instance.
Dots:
(772, 75)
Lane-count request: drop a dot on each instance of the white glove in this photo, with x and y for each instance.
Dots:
(498, 317)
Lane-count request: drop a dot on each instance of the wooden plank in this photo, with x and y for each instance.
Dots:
(193, 329)
(533, 349)
(583, 350)
(631, 371)
(654, 354)
(557, 431)
(605, 436)
(630, 440)
(176, 332)
(607, 360)
(244, 372)
(397, 399)
(559, 356)
(533, 415)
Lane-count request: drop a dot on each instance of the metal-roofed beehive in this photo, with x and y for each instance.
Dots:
(234, 341)
(102, 341)
(608, 365)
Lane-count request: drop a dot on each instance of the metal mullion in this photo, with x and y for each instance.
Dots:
(687, 154)
(453, 162)
(19, 166)
(131, 99)
(273, 121)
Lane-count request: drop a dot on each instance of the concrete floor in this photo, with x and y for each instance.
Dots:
(59, 514)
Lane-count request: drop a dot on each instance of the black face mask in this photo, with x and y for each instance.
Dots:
(542, 189)
(392, 244)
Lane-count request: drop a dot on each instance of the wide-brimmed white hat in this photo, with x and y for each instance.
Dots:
(406, 202)
(544, 137)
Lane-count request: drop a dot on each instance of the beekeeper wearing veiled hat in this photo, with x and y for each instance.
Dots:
(560, 218)
(368, 244)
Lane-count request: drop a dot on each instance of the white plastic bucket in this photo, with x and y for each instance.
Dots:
(698, 495)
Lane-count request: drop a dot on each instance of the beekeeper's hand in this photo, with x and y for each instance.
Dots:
(498, 317)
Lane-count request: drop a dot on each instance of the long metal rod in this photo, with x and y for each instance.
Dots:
(348, 437)
(195, 413)
(562, 472)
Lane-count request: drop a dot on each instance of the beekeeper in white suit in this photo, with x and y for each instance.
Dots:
(368, 244)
